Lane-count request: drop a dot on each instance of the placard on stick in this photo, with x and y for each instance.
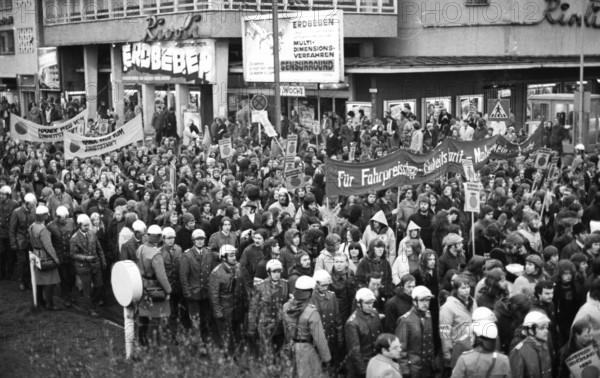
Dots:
(472, 200)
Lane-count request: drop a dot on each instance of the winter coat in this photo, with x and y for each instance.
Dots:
(151, 265)
(416, 141)
(327, 306)
(129, 249)
(415, 332)
(406, 209)
(361, 332)
(455, 323)
(407, 261)
(394, 308)
(304, 334)
(342, 284)
(530, 359)
(194, 272)
(251, 256)
(82, 246)
(61, 235)
(385, 233)
(381, 366)
(567, 305)
(449, 261)
(219, 239)
(296, 272)
(6, 209)
(172, 260)
(324, 261)
(477, 362)
(41, 245)
(20, 220)
(287, 255)
(266, 304)
(223, 290)
(55, 201)
(368, 265)
(591, 311)
(424, 221)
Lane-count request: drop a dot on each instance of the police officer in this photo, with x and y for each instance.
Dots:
(266, 303)
(7, 254)
(61, 230)
(415, 332)
(41, 244)
(304, 332)
(88, 259)
(194, 271)
(155, 303)
(171, 254)
(225, 287)
(483, 360)
(130, 247)
(362, 329)
(326, 303)
(20, 220)
(531, 357)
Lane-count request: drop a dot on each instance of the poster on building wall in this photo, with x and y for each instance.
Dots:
(193, 61)
(189, 119)
(469, 105)
(395, 107)
(48, 72)
(311, 48)
(355, 106)
(433, 107)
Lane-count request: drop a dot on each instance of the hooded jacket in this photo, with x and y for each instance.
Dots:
(401, 265)
(385, 233)
(455, 322)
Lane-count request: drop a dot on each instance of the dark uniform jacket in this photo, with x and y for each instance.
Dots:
(394, 308)
(267, 301)
(20, 220)
(129, 249)
(194, 272)
(61, 235)
(327, 305)
(361, 331)
(83, 246)
(172, 260)
(224, 287)
(415, 332)
(6, 209)
(530, 359)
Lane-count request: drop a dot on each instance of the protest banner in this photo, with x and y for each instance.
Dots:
(27, 131)
(584, 363)
(83, 147)
(405, 167)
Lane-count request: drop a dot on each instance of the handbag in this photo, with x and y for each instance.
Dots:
(153, 290)
(44, 264)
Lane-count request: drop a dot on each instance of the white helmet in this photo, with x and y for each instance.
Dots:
(421, 292)
(485, 328)
(322, 277)
(535, 317)
(30, 198)
(41, 210)
(83, 219)
(198, 233)
(154, 230)
(305, 283)
(483, 313)
(365, 294)
(227, 249)
(168, 232)
(139, 226)
(6, 190)
(62, 211)
(580, 147)
(273, 265)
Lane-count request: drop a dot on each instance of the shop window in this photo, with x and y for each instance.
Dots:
(25, 41)
(477, 2)
(7, 42)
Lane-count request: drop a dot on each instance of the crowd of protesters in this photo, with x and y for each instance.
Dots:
(389, 284)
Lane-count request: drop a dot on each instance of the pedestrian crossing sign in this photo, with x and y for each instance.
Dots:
(499, 111)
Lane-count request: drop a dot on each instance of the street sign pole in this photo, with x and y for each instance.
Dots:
(276, 83)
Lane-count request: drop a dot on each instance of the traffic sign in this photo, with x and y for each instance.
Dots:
(259, 102)
(499, 110)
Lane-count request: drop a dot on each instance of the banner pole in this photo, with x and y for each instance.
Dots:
(473, 231)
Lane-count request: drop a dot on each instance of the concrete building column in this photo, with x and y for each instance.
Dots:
(90, 68)
(148, 107)
(117, 86)
(220, 86)
(182, 98)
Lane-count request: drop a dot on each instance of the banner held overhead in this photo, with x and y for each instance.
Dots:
(24, 130)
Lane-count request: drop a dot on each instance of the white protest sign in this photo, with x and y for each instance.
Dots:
(472, 200)
(83, 147)
(261, 116)
(542, 159)
(294, 178)
(290, 148)
(584, 363)
(225, 148)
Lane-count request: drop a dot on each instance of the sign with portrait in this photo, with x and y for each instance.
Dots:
(395, 107)
(433, 107)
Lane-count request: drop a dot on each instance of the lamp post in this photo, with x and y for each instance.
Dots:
(579, 135)
(276, 83)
